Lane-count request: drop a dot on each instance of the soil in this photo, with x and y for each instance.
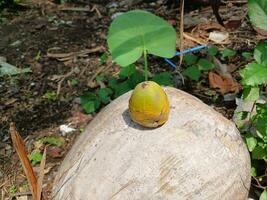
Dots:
(27, 36)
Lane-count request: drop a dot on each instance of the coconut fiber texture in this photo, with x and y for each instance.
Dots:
(197, 155)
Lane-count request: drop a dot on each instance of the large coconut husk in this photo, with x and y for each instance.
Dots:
(197, 154)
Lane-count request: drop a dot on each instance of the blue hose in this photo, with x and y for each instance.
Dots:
(194, 49)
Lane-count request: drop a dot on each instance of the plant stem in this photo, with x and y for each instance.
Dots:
(146, 70)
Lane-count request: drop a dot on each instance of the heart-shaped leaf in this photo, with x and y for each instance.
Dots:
(254, 74)
(134, 32)
(257, 11)
(260, 53)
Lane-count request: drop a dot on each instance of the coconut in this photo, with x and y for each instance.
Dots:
(197, 154)
(149, 105)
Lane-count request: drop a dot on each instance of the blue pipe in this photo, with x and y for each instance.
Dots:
(194, 49)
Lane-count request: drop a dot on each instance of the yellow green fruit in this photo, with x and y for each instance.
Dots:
(149, 105)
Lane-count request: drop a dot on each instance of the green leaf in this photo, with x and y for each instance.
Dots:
(228, 53)
(100, 78)
(122, 88)
(212, 51)
(52, 140)
(50, 96)
(103, 58)
(163, 78)
(192, 73)
(135, 78)
(241, 115)
(261, 109)
(254, 74)
(253, 171)
(251, 141)
(251, 93)
(247, 55)
(261, 125)
(90, 102)
(112, 83)
(74, 82)
(35, 157)
(104, 95)
(257, 11)
(190, 59)
(259, 153)
(204, 64)
(135, 31)
(127, 71)
(260, 53)
(89, 107)
(263, 195)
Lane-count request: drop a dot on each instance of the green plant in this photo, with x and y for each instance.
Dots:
(136, 33)
(253, 124)
(13, 189)
(52, 140)
(35, 157)
(257, 11)
(50, 96)
(131, 35)
(195, 65)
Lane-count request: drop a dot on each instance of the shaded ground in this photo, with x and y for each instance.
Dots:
(28, 99)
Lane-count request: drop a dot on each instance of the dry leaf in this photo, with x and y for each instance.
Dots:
(55, 152)
(224, 84)
(19, 146)
(261, 31)
(210, 26)
(219, 37)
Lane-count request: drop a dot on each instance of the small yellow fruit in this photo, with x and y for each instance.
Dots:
(149, 105)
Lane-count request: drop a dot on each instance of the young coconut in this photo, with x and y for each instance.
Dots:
(149, 105)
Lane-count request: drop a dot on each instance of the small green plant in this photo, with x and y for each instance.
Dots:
(131, 35)
(195, 66)
(52, 140)
(13, 189)
(253, 124)
(35, 157)
(136, 33)
(50, 96)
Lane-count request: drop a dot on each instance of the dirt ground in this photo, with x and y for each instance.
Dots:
(35, 36)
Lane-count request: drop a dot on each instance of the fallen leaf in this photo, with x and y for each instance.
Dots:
(210, 26)
(55, 152)
(79, 118)
(10, 70)
(233, 24)
(219, 37)
(261, 31)
(224, 84)
(20, 148)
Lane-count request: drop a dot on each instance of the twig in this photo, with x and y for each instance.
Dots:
(60, 82)
(21, 194)
(102, 68)
(82, 9)
(3, 194)
(68, 56)
(181, 32)
(193, 39)
(258, 183)
(94, 8)
(40, 195)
